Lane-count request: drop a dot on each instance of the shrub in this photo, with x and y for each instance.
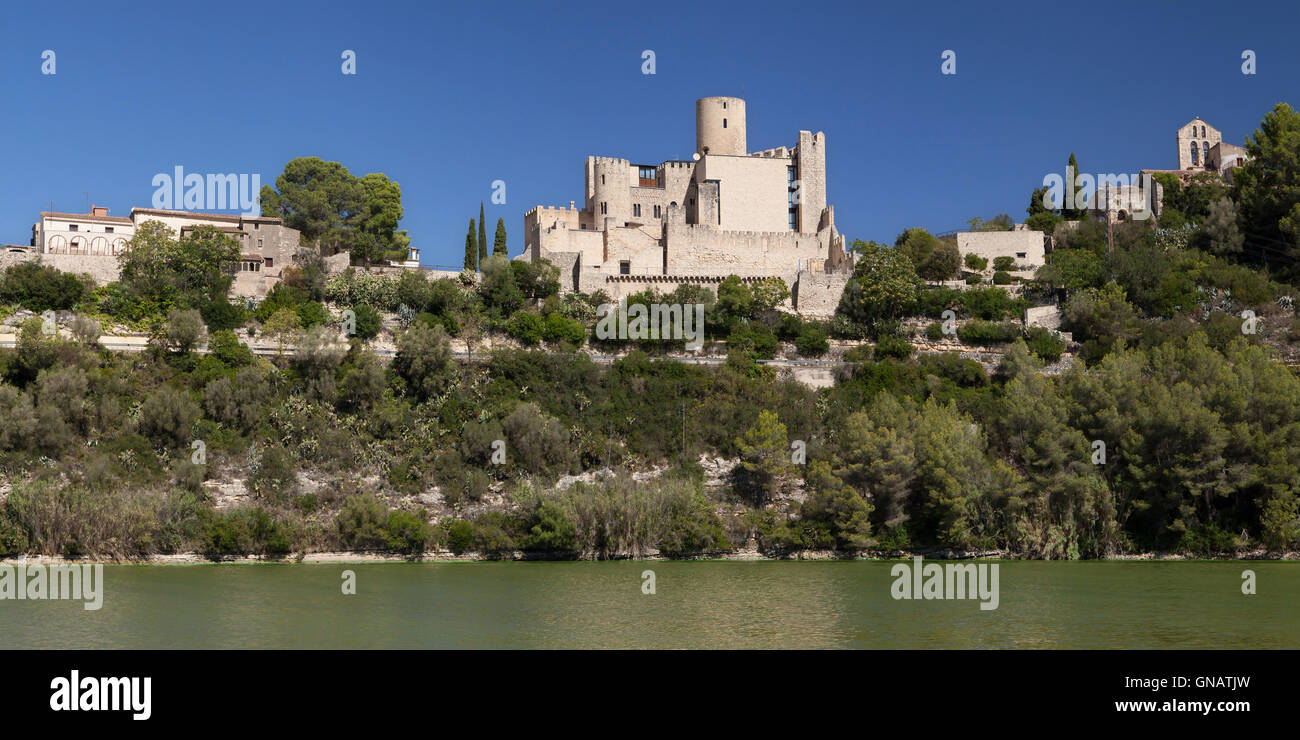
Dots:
(185, 329)
(975, 262)
(39, 288)
(812, 341)
(525, 326)
(559, 329)
(167, 416)
(934, 332)
(225, 346)
(1001, 278)
(986, 332)
(893, 346)
(311, 314)
(368, 321)
(1004, 263)
(1045, 344)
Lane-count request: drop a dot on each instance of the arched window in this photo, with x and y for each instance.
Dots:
(119, 245)
(99, 245)
(57, 245)
(1205, 151)
(77, 245)
(1202, 132)
(1195, 153)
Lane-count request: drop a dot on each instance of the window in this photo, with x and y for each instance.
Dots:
(636, 209)
(256, 225)
(625, 267)
(658, 211)
(647, 173)
(602, 208)
(72, 227)
(259, 243)
(602, 179)
(108, 229)
(1195, 151)
(1205, 151)
(1020, 255)
(724, 123)
(269, 262)
(792, 198)
(724, 105)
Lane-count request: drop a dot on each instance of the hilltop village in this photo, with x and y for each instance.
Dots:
(1110, 376)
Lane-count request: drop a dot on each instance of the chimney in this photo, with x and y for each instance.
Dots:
(98, 211)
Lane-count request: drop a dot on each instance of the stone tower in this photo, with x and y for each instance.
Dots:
(720, 126)
(1195, 139)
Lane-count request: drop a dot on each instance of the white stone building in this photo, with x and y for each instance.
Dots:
(727, 211)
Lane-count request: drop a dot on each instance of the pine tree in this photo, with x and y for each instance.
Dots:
(471, 249)
(482, 235)
(499, 241)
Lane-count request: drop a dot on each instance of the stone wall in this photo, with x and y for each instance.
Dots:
(817, 294)
(102, 268)
(993, 244)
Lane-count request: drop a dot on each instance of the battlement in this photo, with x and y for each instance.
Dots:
(779, 152)
(612, 160)
(543, 210)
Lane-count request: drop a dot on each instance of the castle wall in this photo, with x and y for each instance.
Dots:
(817, 294)
(753, 192)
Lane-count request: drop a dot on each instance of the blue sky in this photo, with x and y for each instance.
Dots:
(449, 97)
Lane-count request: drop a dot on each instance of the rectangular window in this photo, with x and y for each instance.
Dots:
(625, 267)
(108, 229)
(259, 243)
(602, 208)
(658, 212)
(636, 209)
(269, 262)
(1020, 255)
(72, 227)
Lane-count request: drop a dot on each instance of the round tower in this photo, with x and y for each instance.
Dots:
(720, 126)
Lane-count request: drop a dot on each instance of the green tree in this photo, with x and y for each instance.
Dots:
(471, 248)
(883, 285)
(499, 239)
(482, 235)
(764, 457)
(424, 360)
(1268, 185)
(1219, 230)
(282, 325)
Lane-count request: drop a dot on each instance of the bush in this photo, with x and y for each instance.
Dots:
(934, 332)
(225, 346)
(1001, 278)
(39, 288)
(185, 329)
(312, 314)
(975, 262)
(221, 315)
(1004, 263)
(167, 416)
(368, 321)
(974, 279)
(561, 330)
(526, 326)
(986, 332)
(893, 346)
(1045, 344)
(812, 341)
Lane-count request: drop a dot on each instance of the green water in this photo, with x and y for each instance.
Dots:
(696, 605)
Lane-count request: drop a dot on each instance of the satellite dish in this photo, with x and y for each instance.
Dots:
(696, 156)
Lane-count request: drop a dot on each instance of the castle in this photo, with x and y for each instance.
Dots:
(728, 211)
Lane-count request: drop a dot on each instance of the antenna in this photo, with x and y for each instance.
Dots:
(87, 200)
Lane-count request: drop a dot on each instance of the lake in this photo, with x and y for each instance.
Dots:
(696, 604)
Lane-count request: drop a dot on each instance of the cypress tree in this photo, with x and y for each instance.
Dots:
(482, 235)
(471, 248)
(499, 241)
